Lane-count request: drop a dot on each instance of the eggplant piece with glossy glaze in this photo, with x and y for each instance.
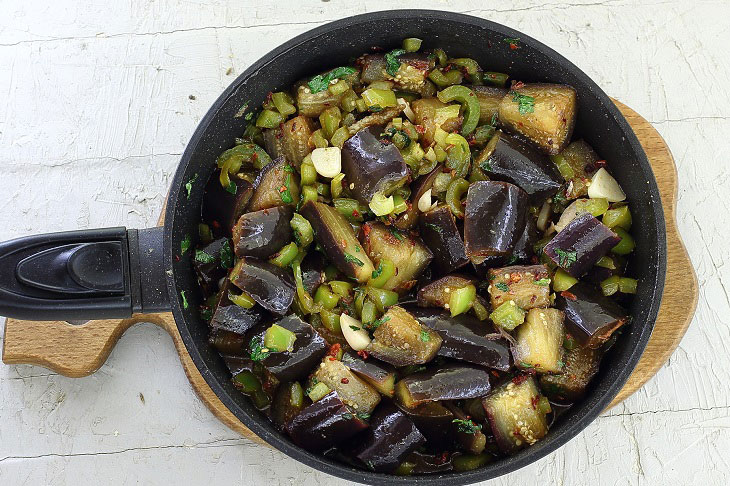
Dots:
(465, 338)
(207, 265)
(262, 233)
(324, 424)
(228, 316)
(334, 233)
(270, 286)
(489, 99)
(411, 75)
(590, 317)
(380, 375)
(581, 365)
(540, 341)
(454, 382)
(494, 219)
(433, 420)
(353, 391)
(424, 110)
(438, 292)
(276, 185)
(371, 165)
(222, 206)
(527, 286)
(441, 235)
(581, 244)
(409, 218)
(402, 341)
(513, 160)
(390, 438)
(313, 271)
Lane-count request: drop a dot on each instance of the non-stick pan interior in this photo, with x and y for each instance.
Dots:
(338, 43)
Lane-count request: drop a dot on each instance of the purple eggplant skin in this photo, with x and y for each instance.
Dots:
(270, 286)
(373, 371)
(221, 207)
(433, 420)
(228, 343)
(590, 317)
(324, 424)
(262, 233)
(514, 160)
(390, 438)
(409, 218)
(268, 183)
(372, 166)
(309, 348)
(210, 272)
(581, 244)
(313, 267)
(453, 382)
(441, 235)
(228, 316)
(494, 219)
(522, 253)
(464, 338)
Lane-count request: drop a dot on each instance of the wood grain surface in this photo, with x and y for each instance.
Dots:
(79, 350)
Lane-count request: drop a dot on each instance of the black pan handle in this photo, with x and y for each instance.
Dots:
(81, 275)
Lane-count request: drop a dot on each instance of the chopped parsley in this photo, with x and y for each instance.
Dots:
(284, 191)
(226, 255)
(206, 313)
(378, 271)
(513, 42)
(502, 286)
(351, 259)
(363, 416)
(543, 281)
(467, 426)
(354, 328)
(347, 416)
(203, 257)
(378, 322)
(425, 336)
(397, 234)
(232, 188)
(312, 384)
(566, 258)
(189, 184)
(322, 81)
(243, 110)
(486, 166)
(526, 103)
(184, 299)
(512, 259)
(375, 108)
(561, 364)
(525, 365)
(435, 227)
(185, 244)
(493, 122)
(288, 168)
(392, 64)
(257, 349)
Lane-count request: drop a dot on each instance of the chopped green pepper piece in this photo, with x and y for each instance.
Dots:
(284, 103)
(382, 298)
(411, 44)
(351, 209)
(330, 320)
(326, 298)
(469, 102)
(627, 285)
(456, 190)
(495, 79)
(278, 339)
(508, 316)
(269, 119)
(243, 300)
(610, 285)
(626, 245)
(443, 80)
(330, 120)
(285, 256)
(562, 280)
(341, 288)
(302, 229)
(618, 218)
(462, 299)
(318, 391)
(384, 271)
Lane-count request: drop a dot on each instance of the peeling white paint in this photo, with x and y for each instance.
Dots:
(96, 112)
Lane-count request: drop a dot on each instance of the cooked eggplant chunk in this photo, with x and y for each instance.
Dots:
(372, 166)
(540, 341)
(208, 267)
(276, 185)
(409, 218)
(273, 143)
(353, 391)
(489, 98)
(288, 402)
(410, 75)
(429, 115)
(440, 234)
(308, 349)
(324, 423)
(262, 233)
(335, 234)
(576, 164)
(527, 286)
(513, 160)
(524, 248)
(581, 365)
(295, 135)
(454, 382)
(390, 438)
(514, 417)
(465, 338)
(494, 219)
(408, 253)
(581, 244)
(313, 104)
(313, 271)
(223, 206)
(228, 316)
(380, 376)
(590, 317)
(227, 342)
(402, 341)
(270, 286)
(467, 432)
(438, 293)
(544, 113)
(433, 420)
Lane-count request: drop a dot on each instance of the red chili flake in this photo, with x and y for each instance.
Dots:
(177, 258)
(279, 135)
(331, 358)
(216, 224)
(376, 49)
(282, 189)
(366, 229)
(355, 213)
(420, 129)
(363, 354)
(334, 350)
(519, 379)
(344, 381)
(442, 458)
(269, 97)
(600, 163)
(495, 373)
(569, 295)
(447, 68)
(293, 127)
(513, 46)
(535, 400)
(517, 84)
(254, 157)
(343, 243)
(385, 141)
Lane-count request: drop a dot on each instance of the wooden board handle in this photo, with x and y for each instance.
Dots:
(68, 349)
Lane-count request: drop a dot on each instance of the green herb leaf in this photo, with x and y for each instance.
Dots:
(526, 103)
(243, 110)
(203, 257)
(351, 259)
(512, 259)
(232, 188)
(363, 416)
(486, 166)
(185, 244)
(467, 426)
(566, 258)
(513, 42)
(257, 349)
(322, 81)
(502, 286)
(525, 365)
(378, 271)
(378, 322)
(397, 234)
(375, 108)
(392, 64)
(184, 299)
(543, 281)
(347, 416)
(425, 336)
(206, 313)
(286, 194)
(189, 185)
(226, 255)
(435, 227)
(354, 328)
(312, 384)
(288, 168)
(493, 122)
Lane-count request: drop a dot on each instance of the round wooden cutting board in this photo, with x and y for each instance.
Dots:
(79, 350)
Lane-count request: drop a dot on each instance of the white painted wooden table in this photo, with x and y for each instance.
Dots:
(98, 101)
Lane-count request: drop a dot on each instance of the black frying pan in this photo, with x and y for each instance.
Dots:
(112, 273)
